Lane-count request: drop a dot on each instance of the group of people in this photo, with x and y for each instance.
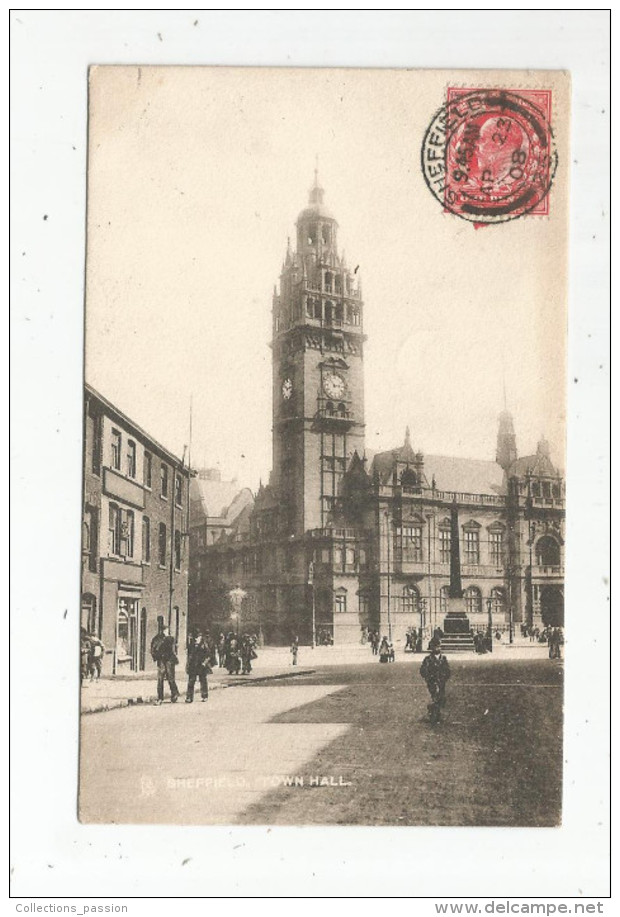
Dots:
(91, 656)
(235, 653)
(414, 640)
(230, 651)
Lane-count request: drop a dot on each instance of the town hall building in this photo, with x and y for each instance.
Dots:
(340, 540)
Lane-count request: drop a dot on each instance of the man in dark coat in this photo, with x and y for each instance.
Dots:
(163, 652)
(198, 654)
(435, 671)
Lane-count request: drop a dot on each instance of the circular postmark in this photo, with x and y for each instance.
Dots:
(488, 156)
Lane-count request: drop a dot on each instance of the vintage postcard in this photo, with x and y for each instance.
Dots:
(323, 546)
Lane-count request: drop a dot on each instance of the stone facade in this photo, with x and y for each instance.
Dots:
(339, 540)
(134, 541)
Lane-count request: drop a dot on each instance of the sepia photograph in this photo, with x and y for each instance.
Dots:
(309, 460)
(322, 557)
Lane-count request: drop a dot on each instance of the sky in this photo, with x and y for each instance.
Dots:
(196, 177)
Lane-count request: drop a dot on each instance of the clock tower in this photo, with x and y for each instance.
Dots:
(317, 347)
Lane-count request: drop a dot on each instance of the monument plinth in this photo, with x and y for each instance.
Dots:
(457, 636)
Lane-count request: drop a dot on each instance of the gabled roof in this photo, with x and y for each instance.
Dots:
(534, 464)
(384, 462)
(218, 499)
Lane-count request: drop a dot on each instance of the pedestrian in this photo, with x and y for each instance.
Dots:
(295, 650)
(197, 667)
(233, 658)
(555, 643)
(163, 651)
(247, 654)
(84, 654)
(384, 651)
(221, 650)
(95, 656)
(435, 671)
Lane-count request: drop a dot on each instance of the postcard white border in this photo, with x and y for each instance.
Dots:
(53, 856)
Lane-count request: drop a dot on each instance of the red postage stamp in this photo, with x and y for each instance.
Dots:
(488, 155)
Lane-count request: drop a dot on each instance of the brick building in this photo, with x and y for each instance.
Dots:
(134, 537)
(339, 540)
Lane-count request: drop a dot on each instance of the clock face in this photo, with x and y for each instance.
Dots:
(334, 385)
(287, 389)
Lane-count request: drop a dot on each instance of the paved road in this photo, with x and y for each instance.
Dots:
(351, 740)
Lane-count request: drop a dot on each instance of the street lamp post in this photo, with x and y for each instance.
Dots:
(423, 616)
(389, 614)
(490, 623)
(311, 584)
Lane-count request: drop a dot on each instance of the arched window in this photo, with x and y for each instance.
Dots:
(86, 537)
(338, 315)
(89, 613)
(409, 478)
(473, 600)
(548, 552)
(329, 313)
(161, 544)
(328, 282)
(410, 599)
(498, 600)
(444, 595)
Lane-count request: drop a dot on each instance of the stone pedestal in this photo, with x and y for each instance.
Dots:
(456, 628)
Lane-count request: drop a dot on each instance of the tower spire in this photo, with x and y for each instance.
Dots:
(316, 192)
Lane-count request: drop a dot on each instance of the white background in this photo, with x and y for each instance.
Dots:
(52, 855)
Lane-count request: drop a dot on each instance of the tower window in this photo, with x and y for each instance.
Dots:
(326, 235)
(412, 543)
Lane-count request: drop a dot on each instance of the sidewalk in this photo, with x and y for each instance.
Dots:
(274, 662)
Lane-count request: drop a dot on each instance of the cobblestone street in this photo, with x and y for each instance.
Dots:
(343, 744)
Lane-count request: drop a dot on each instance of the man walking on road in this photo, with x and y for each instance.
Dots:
(197, 666)
(164, 653)
(435, 671)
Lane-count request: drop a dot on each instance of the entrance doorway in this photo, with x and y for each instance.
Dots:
(89, 614)
(127, 634)
(552, 606)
